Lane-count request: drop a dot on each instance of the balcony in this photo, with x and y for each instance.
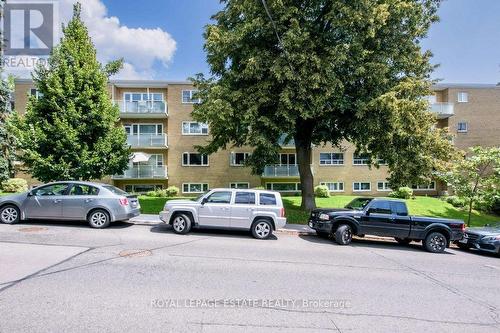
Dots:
(442, 110)
(142, 109)
(144, 172)
(279, 171)
(147, 141)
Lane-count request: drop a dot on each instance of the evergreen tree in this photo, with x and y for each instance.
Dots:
(70, 131)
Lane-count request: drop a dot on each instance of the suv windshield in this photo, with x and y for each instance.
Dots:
(198, 198)
(358, 203)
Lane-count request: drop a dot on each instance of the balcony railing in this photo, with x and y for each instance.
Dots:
(147, 141)
(142, 107)
(281, 171)
(442, 110)
(144, 172)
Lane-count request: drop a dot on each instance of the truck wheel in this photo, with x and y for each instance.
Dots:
(403, 241)
(343, 234)
(435, 242)
(181, 224)
(9, 214)
(262, 229)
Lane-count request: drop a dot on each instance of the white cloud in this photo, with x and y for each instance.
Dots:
(141, 48)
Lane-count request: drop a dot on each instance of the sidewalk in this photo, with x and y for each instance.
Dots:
(290, 229)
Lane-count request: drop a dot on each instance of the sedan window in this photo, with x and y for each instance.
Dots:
(56, 189)
(79, 189)
(220, 197)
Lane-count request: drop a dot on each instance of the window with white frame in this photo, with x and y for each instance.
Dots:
(334, 186)
(462, 127)
(238, 159)
(331, 158)
(156, 160)
(361, 186)
(426, 187)
(144, 129)
(283, 187)
(288, 159)
(240, 185)
(462, 97)
(194, 128)
(383, 186)
(187, 97)
(194, 187)
(360, 159)
(142, 97)
(194, 159)
(36, 93)
(142, 188)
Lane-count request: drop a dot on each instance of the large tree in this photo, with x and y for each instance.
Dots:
(70, 129)
(323, 72)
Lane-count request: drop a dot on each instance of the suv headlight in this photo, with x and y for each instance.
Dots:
(324, 217)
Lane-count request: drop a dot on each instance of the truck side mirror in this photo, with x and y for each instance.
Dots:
(30, 194)
(204, 201)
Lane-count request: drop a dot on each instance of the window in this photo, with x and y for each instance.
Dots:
(334, 186)
(360, 187)
(245, 198)
(399, 208)
(267, 199)
(144, 129)
(380, 207)
(383, 186)
(187, 97)
(283, 187)
(142, 188)
(331, 158)
(462, 97)
(49, 190)
(360, 159)
(142, 97)
(36, 93)
(194, 159)
(80, 189)
(194, 128)
(462, 127)
(194, 188)
(240, 185)
(427, 187)
(238, 159)
(288, 159)
(156, 160)
(220, 197)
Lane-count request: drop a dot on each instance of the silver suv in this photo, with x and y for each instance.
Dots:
(259, 211)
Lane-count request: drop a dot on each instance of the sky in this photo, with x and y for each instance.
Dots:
(163, 39)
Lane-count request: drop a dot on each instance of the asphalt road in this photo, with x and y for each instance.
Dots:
(132, 278)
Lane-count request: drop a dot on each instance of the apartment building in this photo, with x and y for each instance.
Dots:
(157, 118)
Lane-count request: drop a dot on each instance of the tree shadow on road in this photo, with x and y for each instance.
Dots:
(167, 229)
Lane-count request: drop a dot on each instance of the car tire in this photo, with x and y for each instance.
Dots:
(99, 219)
(435, 242)
(403, 241)
(262, 229)
(343, 234)
(10, 214)
(181, 224)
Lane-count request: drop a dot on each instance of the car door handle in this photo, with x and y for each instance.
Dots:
(89, 200)
(57, 200)
(250, 209)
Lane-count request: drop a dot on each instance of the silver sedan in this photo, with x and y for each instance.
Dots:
(98, 204)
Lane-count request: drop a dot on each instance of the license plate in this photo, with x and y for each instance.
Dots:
(463, 241)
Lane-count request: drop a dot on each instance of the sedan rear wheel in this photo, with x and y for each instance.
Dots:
(9, 214)
(99, 219)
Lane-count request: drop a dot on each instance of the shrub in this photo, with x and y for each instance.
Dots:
(15, 185)
(455, 201)
(259, 188)
(172, 191)
(151, 194)
(402, 193)
(321, 191)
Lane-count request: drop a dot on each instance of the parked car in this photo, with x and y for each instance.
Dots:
(485, 239)
(385, 217)
(259, 211)
(98, 204)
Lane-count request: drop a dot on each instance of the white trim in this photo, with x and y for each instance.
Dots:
(369, 190)
(466, 127)
(385, 188)
(194, 165)
(338, 183)
(190, 96)
(362, 164)
(231, 159)
(331, 159)
(236, 188)
(433, 188)
(188, 184)
(156, 186)
(290, 191)
(194, 134)
(462, 97)
(125, 125)
(141, 93)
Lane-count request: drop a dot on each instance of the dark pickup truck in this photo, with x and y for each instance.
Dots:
(388, 218)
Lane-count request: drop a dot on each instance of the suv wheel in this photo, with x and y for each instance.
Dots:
(343, 234)
(99, 219)
(403, 241)
(181, 224)
(9, 214)
(435, 242)
(262, 229)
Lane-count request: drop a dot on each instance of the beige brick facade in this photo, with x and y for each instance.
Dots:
(479, 108)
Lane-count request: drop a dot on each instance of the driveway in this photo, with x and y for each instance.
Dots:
(68, 277)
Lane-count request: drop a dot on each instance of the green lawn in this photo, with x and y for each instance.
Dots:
(424, 206)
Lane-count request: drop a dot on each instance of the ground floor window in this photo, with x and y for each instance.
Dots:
(383, 186)
(240, 185)
(334, 186)
(283, 187)
(430, 186)
(361, 186)
(142, 188)
(194, 187)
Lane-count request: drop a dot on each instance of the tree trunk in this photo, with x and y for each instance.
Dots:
(470, 211)
(303, 141)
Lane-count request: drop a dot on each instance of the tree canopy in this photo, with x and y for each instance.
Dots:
(323, 72)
